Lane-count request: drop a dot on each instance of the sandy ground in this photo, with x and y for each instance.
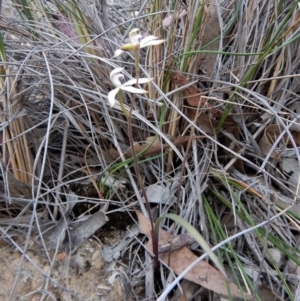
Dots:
(81, 276)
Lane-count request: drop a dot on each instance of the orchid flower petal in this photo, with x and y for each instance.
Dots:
(111, 96)
(114, 76)
(133, 90)
(147, 39)
(117, 53)
(115, 71)
(141, 81)
(137, 41)
(135, 36)
(154, 43)
(151, 41)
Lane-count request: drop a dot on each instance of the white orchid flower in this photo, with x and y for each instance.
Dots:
(117, 78)
(137, 41)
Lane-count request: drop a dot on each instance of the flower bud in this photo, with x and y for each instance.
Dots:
(128, 47)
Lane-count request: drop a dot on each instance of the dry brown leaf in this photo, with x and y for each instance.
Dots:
(203, 274)
(193, 99)
(178, 242)
(229, 143)
(171, 19)
(185, 292)
(296, 136)
(270, 136)
(153, 149)
(3, 243)
(150, 139)
(192, 94)
(266, 294)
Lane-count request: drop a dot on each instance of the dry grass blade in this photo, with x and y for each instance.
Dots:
(16, 150)
(218, 129)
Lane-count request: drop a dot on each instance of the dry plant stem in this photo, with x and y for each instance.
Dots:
(241, 151)
(61, 167)
(91, 175)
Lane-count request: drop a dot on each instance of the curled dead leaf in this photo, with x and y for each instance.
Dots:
(153, 149)
(270, 136)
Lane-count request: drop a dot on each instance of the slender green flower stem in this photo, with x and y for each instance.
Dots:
(122, 104)
(137, 62)
(136, 164)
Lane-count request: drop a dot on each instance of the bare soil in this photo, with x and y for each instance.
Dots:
(81, 276)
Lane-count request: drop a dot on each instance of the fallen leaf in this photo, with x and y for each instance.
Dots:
(266, 294)
(206, 120)
(81, 233)
(192, 94)
(203, 274)
(158, 194)
(177, 242)
(153, 149)
(271, 133)
(296, 136)
(186, 291)
(171, 18)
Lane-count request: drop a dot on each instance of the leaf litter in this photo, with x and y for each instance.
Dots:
(48, 141)
(203, 274)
